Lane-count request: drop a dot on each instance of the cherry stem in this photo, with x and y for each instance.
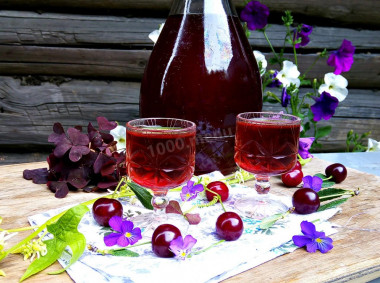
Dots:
(20, 229)
(328, 178)
(347, 193)
(206, 249)
(216, 195)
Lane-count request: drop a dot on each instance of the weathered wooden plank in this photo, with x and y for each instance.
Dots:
(352, 12)
(29, 28)
(130, 64)
(27, 112)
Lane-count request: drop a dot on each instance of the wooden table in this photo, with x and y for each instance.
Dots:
(355, 256)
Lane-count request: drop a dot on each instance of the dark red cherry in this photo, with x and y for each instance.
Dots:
(337, 171)
(104, 209)
(297, 166)
(219, 188)
(292, 178)
(229, 226)
(305, 201)
(161, 238)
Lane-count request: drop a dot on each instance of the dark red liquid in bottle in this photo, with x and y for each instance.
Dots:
(160, 161)
(266, 149)
(202, 69)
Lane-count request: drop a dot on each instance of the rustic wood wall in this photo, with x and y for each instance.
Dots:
(73, 60)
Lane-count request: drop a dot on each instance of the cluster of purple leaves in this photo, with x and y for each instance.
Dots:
(87, 161)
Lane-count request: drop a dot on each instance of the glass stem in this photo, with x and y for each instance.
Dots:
(159, 203)
(262, 184)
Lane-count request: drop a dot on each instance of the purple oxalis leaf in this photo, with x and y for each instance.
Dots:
(193, 218)
(59, 188)
(105, 125)
(77, 178)
(39, 176)
(173, 207)
(58, 133)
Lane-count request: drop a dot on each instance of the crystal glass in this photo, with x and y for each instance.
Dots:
(266, 145)
(160, 155)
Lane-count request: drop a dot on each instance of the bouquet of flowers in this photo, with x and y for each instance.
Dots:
(326, 94)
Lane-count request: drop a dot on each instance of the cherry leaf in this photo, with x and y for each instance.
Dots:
(173, 207)
(193, 218)
(105, 125)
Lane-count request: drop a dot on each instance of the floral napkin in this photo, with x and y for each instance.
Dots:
(220, 262)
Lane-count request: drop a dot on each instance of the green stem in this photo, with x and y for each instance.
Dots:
(351, 193)
(311, 66)
(271, 47)
(206, 249)
(20, 229)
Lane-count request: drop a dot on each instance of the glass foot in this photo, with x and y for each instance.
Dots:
(148, 222)
(260, 207)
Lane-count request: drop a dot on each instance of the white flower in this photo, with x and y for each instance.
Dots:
(336, 85)
(261, 61)
(373, 145)
(289, 74)
(156, 33)
(119, 135)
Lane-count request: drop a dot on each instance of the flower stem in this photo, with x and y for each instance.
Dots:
(271, 47)
(20, 229)
(206, 249)
(311, 66)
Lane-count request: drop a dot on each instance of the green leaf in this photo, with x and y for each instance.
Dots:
(65, 232)
(331, 193)
(123, 252)
(323, 131)
(327, 184)
(332, 204)
(320, 175)
(142, 194)
(271, 220)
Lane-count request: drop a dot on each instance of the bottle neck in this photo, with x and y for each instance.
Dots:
(183, 7)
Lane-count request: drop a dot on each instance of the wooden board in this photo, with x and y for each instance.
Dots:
(365, 12)
(36, 104)
(355, 253)
(100, 30)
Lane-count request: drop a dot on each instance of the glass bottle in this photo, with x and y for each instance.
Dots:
(202, 69)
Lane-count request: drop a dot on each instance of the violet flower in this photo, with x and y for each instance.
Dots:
(275, 82)
(182, 247)
(312, 182)
(255, 14)
(312, 239)
(303, 33)
(127, 235)
(324, 106)
(285, 97)
(343, 58)
(190, 192)
(304, 147)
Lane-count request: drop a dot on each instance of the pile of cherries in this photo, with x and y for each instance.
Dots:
(306, 200)
(229, 225)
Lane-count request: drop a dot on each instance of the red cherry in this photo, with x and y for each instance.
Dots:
(219, 188)
(229, 226)
(104, 209)
(297, 166)
(305, 201)
(161, 238)
(337, 171)
(292, 178)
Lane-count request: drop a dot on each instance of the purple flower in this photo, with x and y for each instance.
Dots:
(312, 182)
(342, 58)
(182, 247)
(324, 106)
(127, 235)
(312, 239)
(275, 82)
(190, 192)
(255, 14)
(285, 97)
(304, 146)
(304, 33)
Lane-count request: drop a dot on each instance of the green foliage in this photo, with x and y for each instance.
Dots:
(355, 142)
(142, 194)
(332, 204)
(65, 232)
